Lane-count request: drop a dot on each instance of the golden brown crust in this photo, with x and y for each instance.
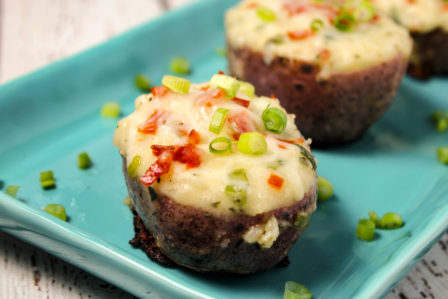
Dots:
(429, 55)
(331, 111)
(205, 242)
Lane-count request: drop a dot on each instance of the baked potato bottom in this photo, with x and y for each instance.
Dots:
(429, 55)
(331, 111)
(205, 242)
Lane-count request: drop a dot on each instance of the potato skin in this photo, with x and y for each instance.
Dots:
(429, 55)
(333, 111)
(204, 242)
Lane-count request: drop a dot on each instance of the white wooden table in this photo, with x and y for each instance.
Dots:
(34, 33)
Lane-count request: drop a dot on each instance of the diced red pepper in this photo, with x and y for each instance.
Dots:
(159, 91)
(275, 181)
(300, 35)
(194, 137)
(241, 102)
(151, 124)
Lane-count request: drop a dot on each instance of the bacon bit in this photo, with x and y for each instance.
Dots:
(157, 169)
(194, 137)
(159, 91)
(275, 181)
(151, 124)
(300, 35)
(281, 146)
(241, 102)
(204, 88)
(273, 96)
(189, 155)
(212, 94)
(324, 55)
(375, 18)
(240, 124)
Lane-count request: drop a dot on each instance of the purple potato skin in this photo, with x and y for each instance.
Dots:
(205, 242)
(429, 55)
(331, 111)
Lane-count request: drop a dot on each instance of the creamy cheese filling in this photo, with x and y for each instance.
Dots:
(204, 186)
(366, 44)
(417, 15)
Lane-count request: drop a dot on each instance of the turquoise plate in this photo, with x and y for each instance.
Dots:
(51, 115)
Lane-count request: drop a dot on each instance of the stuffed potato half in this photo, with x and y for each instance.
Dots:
(336, 64)
(427, 20)
(222, 179)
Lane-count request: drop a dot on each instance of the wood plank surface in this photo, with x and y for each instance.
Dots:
(34, 33)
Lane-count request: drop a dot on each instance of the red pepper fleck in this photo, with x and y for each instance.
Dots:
(300, 35)
(220, 72)
(241, 102)
(275, 181)
(252, 5)
(194, 137)
(151, 124)
(205, 88)
(159, 91)
(281, 146)
(273, 96)
(324, 55)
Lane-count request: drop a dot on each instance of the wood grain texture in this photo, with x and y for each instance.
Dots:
(34, 33)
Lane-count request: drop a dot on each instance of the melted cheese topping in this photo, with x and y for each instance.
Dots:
(366, 44)
(204, 186)
(417, 15)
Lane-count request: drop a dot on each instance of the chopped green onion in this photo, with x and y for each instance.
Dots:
(302, 220)
(252, 143)
(365, 230)
(221, 51)
(237, 194)
(294, 290)
(266, 14)
(324, 189)
(12, 190)
(56, 210)
(48, 184)
(274, 120)
(218, 119)
(247, 88)
(306, 158)
(442, 154)
(84, 161)
(317, 25)
(391, 221)
(180, 66)
(142, 83)
(220, 145)
(47, 180)
(133, 167)
(110, 110)
(344, 21)
(46, 175)
(440, 119)
(239, 175)
(374, 217)
(227, 83)
(364, 12)
(176, 84)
